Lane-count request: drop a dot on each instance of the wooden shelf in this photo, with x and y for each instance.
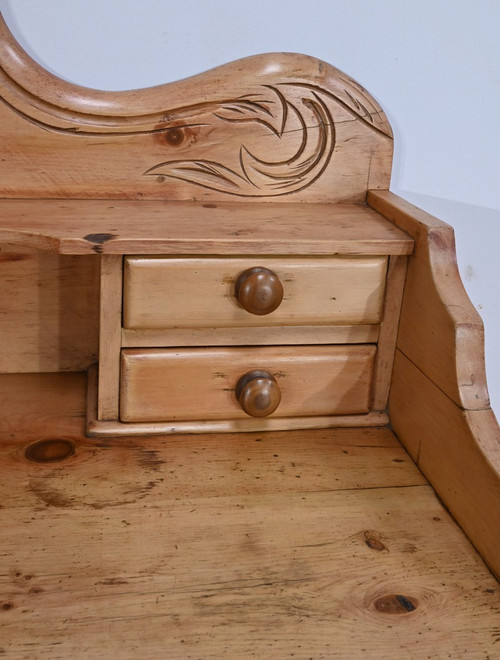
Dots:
(164, 227)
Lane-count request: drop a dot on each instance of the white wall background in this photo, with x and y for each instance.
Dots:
(434, 65)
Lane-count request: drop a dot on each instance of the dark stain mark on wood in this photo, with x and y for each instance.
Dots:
(50, 496)
(209, 206)
(440, 238)
(396, 604)
(149, 458)
(141, 491)
(99, 239)
(112, 581)
(374, 543)
(7, 606)
(11, 256)
(50, 450)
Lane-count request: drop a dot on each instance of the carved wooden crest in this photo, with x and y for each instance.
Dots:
(264, 127)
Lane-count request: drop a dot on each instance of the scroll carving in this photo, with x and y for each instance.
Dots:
(260, 177)
(264, 127)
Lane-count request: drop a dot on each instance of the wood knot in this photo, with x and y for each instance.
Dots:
(373, 542)
(175, 136)
(395, 604)
(50, 450)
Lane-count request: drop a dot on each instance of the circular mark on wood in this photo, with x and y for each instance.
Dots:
(395, 604)
(50, 450)
(174, 136)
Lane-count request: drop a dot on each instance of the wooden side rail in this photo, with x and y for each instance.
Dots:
(439, 405)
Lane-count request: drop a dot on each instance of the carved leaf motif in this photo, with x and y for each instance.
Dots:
(205, 173)
(358, 100)
(257, 177)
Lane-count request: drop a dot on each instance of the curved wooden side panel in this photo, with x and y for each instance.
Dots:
(267, 126)
(439, 405)
(440, 330)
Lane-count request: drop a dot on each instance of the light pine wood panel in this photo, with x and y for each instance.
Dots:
(36, 406)
(82, 226)
(198, 384)
(388, 332)
(110, 336)
(196, 293)
(265, 127)
(439, 330)
(109, 472)
(49, 311)
(458, 451)
(228, 546)
(329, 334)
(235, 576)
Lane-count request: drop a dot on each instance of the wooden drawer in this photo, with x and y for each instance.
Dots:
(199, 384)
(161, 292)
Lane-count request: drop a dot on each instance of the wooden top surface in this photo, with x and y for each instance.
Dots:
(165, 227)
(307, 544)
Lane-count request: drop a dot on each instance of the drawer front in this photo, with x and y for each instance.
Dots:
(161, 292)
(200, 384)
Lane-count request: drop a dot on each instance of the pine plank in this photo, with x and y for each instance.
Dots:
(251, 575)
(384, 360)
(110, 336)
(82, 226)
(439, 330)
(323, 334)
(322, 544)
(49, 311)
(458, 450)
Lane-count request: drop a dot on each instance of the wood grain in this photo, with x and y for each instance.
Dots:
(384, 360)
(458, 451)
(265, 127)
(324, 544)
(110, 336)
(200, 292)
(49, 311)
(440, 330)
(439, 403)
(115, 429)
(324, 334)
(199, 384)
(80, 226)
(56, 406)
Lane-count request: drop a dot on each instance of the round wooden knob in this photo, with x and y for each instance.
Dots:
(258, 393)
(259, 290)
